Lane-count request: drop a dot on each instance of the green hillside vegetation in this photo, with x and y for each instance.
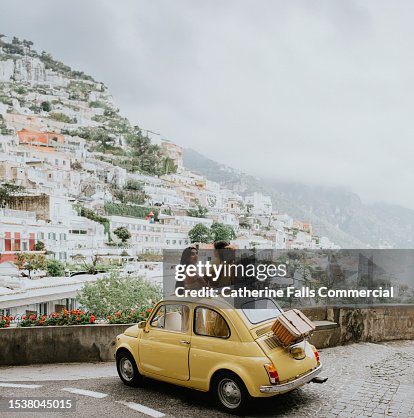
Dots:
(114, 135)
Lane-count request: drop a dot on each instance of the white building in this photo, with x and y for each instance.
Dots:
(260, 204)
(147, 237)
(24, 296)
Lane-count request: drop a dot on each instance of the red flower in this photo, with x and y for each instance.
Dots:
(41, 322)
(92, 319)
(78, 318)
(66, 312)
(129, 316)
(149, 310)
(44, 317)
(109, 316)
(32, 317)
(23, 317)
(6, 325)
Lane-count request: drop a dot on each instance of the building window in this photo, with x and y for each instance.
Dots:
(62, 256)
(43, 308)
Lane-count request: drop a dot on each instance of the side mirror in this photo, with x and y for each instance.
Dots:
(142, 324)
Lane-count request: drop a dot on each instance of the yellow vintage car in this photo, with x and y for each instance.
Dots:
(208, 345)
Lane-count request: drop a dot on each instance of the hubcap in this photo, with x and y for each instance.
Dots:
(126, 368)
(229, 393)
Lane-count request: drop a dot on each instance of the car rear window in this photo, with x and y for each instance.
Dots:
(261, 310)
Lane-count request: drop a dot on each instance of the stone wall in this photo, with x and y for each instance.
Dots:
(89, 343)
(60, 344)
(373, 324)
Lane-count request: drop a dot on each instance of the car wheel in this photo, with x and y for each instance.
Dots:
(127, 368)
(230, 393)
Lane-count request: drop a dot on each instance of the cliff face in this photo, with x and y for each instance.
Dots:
(31, 70)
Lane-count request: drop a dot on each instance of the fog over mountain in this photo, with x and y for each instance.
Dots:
(292, 91)
(333, 211)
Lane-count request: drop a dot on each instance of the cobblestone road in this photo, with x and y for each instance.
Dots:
(365, 380)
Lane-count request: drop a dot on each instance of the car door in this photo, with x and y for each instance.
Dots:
(165, 343)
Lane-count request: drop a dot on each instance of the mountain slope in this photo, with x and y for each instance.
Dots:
(335, 212)
(52, 96)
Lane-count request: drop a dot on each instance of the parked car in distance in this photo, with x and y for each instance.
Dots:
(208, 345)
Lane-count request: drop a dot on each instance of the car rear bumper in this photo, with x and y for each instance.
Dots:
(285, 387)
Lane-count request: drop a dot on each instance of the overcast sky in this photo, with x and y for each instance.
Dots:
(320, 92)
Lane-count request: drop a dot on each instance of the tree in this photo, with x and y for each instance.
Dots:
(30, 262)
(200, 233)
(200, 212)
(46, 106)
(222, 232)
(55, 268)
(40, 246)
(168, 166)
(114, 293)
(76, 165)
(122, 233)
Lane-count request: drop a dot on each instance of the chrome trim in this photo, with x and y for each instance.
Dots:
(284, 387)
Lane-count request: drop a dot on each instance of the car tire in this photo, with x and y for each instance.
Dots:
(127, 368)
(230, 393)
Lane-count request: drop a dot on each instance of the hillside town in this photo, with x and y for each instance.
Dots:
(82, 187)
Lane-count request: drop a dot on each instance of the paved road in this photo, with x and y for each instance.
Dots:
(365, 380)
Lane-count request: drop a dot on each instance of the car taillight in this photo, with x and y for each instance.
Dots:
(272, 373)
(315, 351)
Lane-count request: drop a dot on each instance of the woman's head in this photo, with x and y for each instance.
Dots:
(218, 245)
(225, 251)
(189, 256)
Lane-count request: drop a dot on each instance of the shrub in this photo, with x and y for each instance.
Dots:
(46, 106)
(113, 294)
(39, 246)
(129, 210)
(122, 233)
(61, 117)
(55, 268)
(90, 214)
(200, 233)
(5, 321)
(73, 317)
(129, 316)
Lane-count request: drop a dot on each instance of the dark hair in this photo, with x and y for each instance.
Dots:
(185, 256)
(218, 245)
(225, 251)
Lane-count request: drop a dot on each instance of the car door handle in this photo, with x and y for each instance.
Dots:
(184, 342)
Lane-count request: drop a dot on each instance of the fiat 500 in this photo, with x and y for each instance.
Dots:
(208, 345)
